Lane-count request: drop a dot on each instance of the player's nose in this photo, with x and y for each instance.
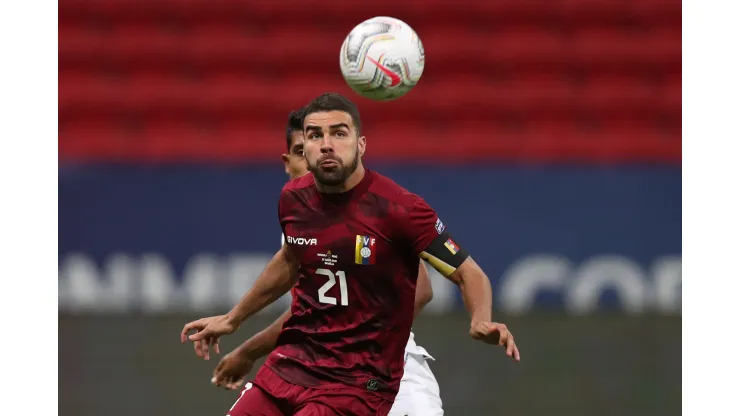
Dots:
(326, 145)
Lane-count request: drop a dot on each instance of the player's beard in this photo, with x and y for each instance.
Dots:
(336, 175)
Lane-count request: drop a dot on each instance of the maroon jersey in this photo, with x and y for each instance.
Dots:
(354, 300)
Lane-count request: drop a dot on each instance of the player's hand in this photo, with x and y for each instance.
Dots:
(232, 370)
(496, 334)
(208, 331)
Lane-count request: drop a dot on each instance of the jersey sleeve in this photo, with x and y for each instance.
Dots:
(429, 237)
(418, 224)
(281, 218)
(282, 209)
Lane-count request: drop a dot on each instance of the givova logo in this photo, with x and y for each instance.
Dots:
(301, 241)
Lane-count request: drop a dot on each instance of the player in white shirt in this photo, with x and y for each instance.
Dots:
(418, 394)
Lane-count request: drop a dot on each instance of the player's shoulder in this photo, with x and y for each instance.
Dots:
(296, 193)
(297, 184)
(387, 188)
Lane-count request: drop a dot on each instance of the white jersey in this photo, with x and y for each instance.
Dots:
(413, 348)
(418, 394)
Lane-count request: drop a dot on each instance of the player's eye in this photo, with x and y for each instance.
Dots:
(299, 152)
(313, 136)
(341, 133)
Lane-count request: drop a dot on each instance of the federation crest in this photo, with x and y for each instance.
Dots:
(365, 250)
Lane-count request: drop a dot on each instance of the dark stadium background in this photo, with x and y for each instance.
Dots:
(546, 133)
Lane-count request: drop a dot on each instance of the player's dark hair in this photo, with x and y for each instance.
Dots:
(332, 101)
(295, 123)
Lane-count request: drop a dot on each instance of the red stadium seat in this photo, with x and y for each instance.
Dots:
(177, 80)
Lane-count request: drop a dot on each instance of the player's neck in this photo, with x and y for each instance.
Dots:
(350, 183)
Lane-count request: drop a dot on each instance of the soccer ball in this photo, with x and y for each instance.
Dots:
(382, 58)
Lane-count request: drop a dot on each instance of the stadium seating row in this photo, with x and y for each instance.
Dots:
(174, 80)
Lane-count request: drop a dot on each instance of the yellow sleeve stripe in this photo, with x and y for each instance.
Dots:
(443, 268)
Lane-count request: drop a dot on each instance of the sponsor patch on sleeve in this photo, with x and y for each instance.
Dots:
(439, 226)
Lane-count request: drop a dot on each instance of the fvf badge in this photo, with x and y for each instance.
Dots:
(364, 250)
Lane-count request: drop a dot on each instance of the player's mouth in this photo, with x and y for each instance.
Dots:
(329, 164)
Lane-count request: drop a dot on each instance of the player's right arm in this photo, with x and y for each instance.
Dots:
(280, 274)
(276, 279)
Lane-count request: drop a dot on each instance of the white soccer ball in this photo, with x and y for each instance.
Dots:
(382, 58)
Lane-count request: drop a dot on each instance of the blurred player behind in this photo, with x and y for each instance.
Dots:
(354, 238)
(419, 391)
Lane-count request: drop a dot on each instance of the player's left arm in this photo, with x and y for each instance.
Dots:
(431, 239)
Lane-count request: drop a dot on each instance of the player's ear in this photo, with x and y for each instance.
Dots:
(361, 145)
(286, 162)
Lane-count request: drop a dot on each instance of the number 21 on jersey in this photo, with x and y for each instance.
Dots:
(332, 276)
